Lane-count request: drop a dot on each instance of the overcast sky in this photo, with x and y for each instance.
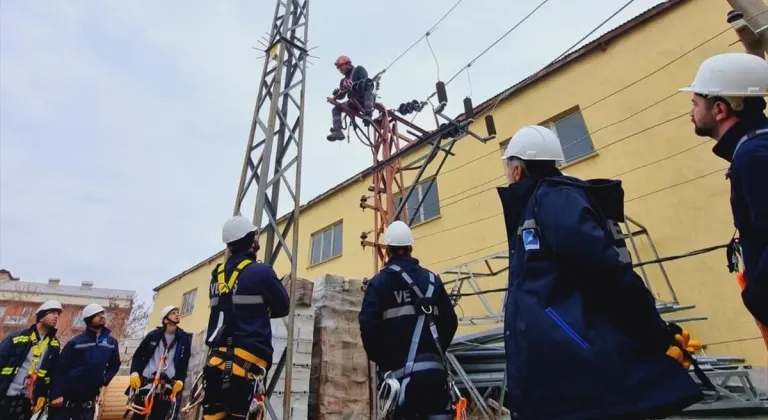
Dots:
(123, 124)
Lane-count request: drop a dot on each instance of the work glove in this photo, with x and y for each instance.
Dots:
(177, 387)
(135, 380)
(336, 91)
(682, 341)
(40, 405)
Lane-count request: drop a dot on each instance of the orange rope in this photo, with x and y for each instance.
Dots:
(763, 330)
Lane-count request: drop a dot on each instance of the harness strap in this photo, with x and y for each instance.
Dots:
(425, 315)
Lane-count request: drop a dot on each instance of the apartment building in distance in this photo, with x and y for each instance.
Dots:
(19, 300)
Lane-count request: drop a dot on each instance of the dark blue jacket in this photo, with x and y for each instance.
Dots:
(146, 351)
(748, 174)
(258, 296)
(87, 363)
(13, 352)
(387, 322)
(583, 337)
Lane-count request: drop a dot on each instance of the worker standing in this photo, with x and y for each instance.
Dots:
(27, 358)
(244, 295)
(354, 86)
(407, 322)
(728, 106)
(582, 335)
(88, 362)
(166, 348)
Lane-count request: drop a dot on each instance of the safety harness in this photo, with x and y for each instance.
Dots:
(33, 373)
(392, 387)
(159, 380)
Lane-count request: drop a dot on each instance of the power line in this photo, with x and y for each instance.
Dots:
(468, 65)
(421, 38)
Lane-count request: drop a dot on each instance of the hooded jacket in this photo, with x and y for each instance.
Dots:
(583, 337)
(748, 174)
(13, 352)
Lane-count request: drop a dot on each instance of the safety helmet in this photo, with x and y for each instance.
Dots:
(731, 74)
(164, 313)
(49, 305)
(236, 228)
(534, 142)
(92, 309)
(343, 59)
(398, 234)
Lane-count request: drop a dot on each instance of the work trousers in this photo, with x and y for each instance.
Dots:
(367, 101)
(161, 404)
(426, 398)
(15, 408)
(231, 403)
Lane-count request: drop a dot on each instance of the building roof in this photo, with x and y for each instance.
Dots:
(85, 290)
(596, 45)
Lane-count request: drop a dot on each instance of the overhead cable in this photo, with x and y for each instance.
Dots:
(426, 34)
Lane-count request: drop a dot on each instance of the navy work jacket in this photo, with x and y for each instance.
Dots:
(244, 313)
(388, 315)
(154, 338)
(87, 363)
(748, 174)
(583, 337)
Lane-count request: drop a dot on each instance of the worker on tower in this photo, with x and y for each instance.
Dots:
(244, 295)
(27, 359)
(88, 362)
(357, 87)
(407, 322)
(579, 323)
(167, 349)
(728, 106)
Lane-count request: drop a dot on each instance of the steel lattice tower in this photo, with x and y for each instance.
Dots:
(274, 150)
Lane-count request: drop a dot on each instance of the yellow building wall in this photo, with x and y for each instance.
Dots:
(673, 183)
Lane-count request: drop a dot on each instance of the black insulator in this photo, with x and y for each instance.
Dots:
(469, 110)
(734, 15)
(490, 125)
(442, 95)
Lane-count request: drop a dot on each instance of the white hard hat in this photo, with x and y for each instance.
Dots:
(49, 305)
(92, 309)
(534, 142)
(731, 74)
(164, 313)
(398, 234)
(236, 228)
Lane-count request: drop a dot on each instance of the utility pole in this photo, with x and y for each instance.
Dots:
(277, 151)
(750, 21)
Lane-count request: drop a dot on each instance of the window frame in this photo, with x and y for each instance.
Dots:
(420, 191)
(184, 302)
(551, 123)
(321, 234)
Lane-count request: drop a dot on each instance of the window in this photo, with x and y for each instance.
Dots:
(573, 134)
(2, 311)
(430, 207)
(188, 302)
(326, 244)
(26, 313)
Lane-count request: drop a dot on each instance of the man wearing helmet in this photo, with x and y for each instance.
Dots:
(26, 359)
(352, 85)
(171, 345)
(579, 323)
(244, 295)
(407, 322)
(88, 362)
(728, 106)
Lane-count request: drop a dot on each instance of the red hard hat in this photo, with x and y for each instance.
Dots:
(343, 59)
